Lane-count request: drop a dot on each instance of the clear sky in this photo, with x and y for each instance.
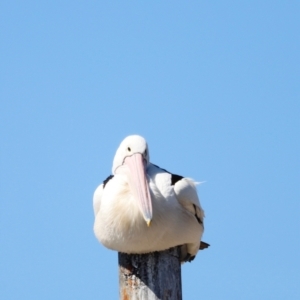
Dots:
(214, 87)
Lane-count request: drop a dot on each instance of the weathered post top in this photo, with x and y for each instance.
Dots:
(151, 276)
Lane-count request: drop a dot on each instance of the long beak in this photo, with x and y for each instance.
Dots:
(139, 185)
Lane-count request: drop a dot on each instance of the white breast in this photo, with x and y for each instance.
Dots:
(120, 226)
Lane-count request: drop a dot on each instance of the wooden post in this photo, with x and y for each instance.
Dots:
(151, 276)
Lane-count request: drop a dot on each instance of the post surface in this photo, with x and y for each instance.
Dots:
(151, 276)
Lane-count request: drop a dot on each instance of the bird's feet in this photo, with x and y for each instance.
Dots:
(189, 257)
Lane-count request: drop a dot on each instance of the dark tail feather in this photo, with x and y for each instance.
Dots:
(203, 245)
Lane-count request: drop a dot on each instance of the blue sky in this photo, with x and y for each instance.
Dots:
(213, 87)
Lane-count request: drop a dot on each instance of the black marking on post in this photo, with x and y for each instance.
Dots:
(107, 180)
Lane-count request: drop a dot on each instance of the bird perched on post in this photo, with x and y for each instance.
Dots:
(142, 208)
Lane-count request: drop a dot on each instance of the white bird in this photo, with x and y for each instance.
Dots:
(142, 208)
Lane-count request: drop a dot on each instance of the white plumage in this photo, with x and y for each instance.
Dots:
(142, 208)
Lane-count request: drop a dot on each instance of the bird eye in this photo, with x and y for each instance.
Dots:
(128, 149)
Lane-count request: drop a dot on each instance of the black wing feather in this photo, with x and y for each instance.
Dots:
(107, 180)
(174, 177)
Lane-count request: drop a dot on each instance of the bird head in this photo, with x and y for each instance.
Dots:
(133, 154)
(131, 145)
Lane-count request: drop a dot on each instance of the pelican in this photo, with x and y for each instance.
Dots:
(142, 208)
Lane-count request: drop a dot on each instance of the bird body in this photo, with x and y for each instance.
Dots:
(169, 205)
